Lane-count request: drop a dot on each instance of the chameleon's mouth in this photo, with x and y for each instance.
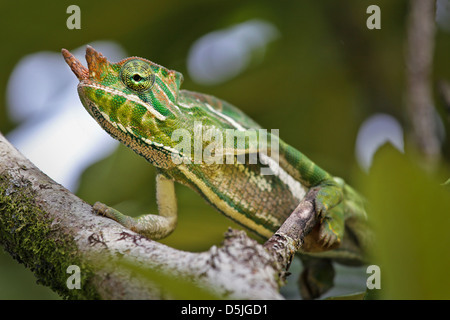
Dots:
(95, 61)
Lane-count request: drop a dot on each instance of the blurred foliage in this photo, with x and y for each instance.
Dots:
(409, 209)
(317, 82)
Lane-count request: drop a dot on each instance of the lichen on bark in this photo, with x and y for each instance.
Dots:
(34, 239)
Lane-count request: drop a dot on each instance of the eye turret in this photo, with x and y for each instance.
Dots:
(137, 75)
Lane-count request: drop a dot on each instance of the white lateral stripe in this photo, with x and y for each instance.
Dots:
(296, 188)
(229, 119)
(223, 206)
(128, 97)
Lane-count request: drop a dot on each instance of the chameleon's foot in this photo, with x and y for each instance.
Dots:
(101, 209)
(329, 238)
(332, 224)
(149, 225)
(316, 278)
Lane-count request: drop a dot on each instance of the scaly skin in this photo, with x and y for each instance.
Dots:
(140, 103)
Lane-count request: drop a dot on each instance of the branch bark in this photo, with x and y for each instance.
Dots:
(419, 62)
(48, 228)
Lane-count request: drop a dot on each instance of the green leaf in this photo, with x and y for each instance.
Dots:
(352, 296)
(447, 183)
(410, 212)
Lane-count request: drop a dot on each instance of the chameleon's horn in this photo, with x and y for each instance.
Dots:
(96, 62)
(77, 68)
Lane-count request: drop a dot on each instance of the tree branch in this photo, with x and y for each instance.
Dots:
(48, 228)
(289, 238)
(419, 62)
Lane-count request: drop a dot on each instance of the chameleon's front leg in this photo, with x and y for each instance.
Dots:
(150, 225)
(329, 204)
(330, 207)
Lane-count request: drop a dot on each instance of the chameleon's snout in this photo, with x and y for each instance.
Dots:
(95, 61)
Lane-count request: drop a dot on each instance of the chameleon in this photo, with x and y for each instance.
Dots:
(140, 103)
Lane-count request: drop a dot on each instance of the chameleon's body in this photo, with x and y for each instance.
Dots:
(140, 103)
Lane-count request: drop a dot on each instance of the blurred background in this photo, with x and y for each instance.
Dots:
(334, 88)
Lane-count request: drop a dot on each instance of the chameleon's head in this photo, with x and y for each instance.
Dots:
(137, 81)
(131, 99)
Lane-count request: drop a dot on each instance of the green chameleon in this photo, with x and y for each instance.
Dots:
(140, 103)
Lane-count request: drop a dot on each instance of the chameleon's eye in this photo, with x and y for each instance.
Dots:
(137, 75)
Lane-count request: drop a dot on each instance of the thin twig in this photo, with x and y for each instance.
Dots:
(289, 237)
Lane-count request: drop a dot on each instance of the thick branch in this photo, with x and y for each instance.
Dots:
(48, 229)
